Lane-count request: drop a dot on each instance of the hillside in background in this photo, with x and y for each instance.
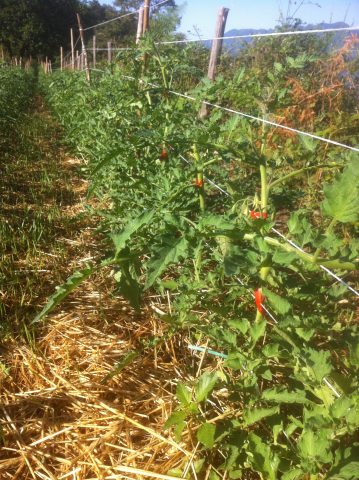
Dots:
(233, 45)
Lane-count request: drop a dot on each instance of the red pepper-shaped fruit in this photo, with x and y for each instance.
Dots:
(256, 215)
(199, 182)
(259, 299)
(164, 154)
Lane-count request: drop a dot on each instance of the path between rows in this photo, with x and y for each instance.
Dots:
(59, 416)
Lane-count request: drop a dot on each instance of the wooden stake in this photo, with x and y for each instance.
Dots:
(216, 51)
(46, 66)
(94, 51)
(146, 16)
(109, 52)
(77, 60)
(61, 58)
(145, 28)
(84, 53)
(139, 25)
(72, 49)
(217, 44)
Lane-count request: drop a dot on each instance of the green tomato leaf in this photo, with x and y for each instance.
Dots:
(129, 287)
(262, 458)
(183, 394)
(257, 330)
(205, 385)
(257, 414)
(241, 325)
(346, 471)
(175, 418)
(281, 395)
(295, 474)
(279, 304)
(318, 363)
(314, 446)
(205, 434)
(165, 256)
(346, 465)
(63, 291)
(120, 239)
(341, 197)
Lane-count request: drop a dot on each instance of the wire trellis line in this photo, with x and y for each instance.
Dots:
(122, 16)
(273, 318)
(327, 270)
(277, 232)
(111, 20)
(260, 35)
(267, 122)
(252, 117)
(90, 49)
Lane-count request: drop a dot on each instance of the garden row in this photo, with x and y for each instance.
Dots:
(285, 332)
(16, 93)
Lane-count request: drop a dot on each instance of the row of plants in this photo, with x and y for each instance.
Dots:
(16, 93)
(282, 402)
(29, 179)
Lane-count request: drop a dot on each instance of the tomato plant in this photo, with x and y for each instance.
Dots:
(285, 332)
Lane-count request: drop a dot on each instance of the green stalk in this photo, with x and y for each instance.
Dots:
(164, 76)
(264, 272)
(264, 188)
(263, 172)
(307, 257)
(298, 172)
(327, 232)
(198, 262)
(199, 168)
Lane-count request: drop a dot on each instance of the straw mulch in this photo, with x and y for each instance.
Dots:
(61, 418)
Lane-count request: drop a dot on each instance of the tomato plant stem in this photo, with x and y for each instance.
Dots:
(264, 195)
(200, 183)
(298, 172)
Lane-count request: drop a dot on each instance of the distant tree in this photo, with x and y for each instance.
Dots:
(35, 27)
(38, 28)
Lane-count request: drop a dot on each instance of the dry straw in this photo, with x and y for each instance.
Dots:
(60, 420)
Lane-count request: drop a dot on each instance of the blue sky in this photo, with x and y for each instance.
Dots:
(261, 13)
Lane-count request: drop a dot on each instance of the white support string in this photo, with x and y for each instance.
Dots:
(267, 122)
(272, 317)
(260, 35)
(325, 380)
(327, 270)
(109, 49)
(122, 16)
(112, 20)
(252, 117)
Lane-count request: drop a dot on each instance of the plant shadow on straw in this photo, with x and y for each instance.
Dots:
(35, 214)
